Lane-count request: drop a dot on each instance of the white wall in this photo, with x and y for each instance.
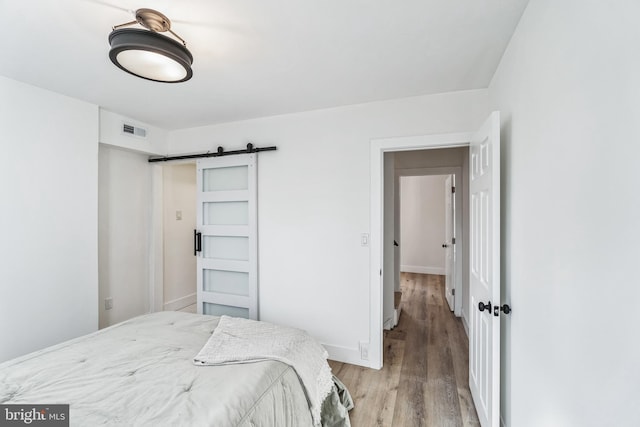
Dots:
(422, 219)
(313, 202)
(179, 261)
(48, 220)
(569, 92)
(124, 219)
(154, 143)
(149, 210)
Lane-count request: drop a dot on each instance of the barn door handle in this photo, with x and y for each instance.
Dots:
(482, 306)
(197, 242)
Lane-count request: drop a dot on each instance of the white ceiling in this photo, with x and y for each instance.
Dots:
(260, 58)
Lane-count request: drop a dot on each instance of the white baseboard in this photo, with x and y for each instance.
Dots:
(465, 324)
(422, 270)
(345, 355)
(190, 309)
(180, 303)
(388, 324)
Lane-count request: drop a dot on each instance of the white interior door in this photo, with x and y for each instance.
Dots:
(226, 236)
(484, 338)
(449, 244)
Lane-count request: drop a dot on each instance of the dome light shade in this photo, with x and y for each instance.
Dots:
(150, 55)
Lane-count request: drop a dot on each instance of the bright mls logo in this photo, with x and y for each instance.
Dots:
(34, 415)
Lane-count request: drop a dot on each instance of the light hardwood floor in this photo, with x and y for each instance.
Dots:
(424, 381)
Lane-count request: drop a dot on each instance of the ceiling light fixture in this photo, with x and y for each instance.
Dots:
(148, 54)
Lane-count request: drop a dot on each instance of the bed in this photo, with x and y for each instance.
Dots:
(141, 372)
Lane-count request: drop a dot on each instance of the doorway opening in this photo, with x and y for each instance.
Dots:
(431, 225)
(433, 340)
(483, 168)
(426, 224)
(413, 158)
(175, 284)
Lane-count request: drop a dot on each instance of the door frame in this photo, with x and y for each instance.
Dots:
(377, 149)
(461, 239)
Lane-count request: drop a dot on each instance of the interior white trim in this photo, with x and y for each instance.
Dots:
(377, 149)
(180, 303)
(465, 324)
(344, 354)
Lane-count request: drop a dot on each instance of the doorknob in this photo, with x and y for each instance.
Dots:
(444, 245)
(505, 309)
(482, 306)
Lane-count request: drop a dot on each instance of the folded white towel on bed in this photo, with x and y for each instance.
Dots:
(238, 340)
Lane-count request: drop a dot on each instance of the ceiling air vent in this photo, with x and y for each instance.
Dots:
(134, 130)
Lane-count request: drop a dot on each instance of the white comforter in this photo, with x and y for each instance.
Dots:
(141, 373)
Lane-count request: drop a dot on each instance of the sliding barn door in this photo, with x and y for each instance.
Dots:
(484, 291)
(225, 241)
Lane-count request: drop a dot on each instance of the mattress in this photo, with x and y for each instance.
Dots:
(141, 372)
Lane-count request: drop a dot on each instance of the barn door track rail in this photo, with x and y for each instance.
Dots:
(218, 153)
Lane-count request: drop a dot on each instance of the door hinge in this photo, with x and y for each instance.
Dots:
(453, 291)
(453, 189)
(453, 240)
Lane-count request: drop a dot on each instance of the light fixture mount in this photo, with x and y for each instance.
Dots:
(153, 20)
(148, 54)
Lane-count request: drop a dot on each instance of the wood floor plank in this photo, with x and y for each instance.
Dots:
(424, 381)
(410, 409)
(459, 345)
(376, 389)
(431, 285)
(388, 385)
(443, 406)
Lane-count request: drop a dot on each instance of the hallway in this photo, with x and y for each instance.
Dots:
(424, 381)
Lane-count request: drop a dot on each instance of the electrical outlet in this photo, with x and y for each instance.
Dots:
(108, 303)
(178, 215)
(364, 350)
(364, 239)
